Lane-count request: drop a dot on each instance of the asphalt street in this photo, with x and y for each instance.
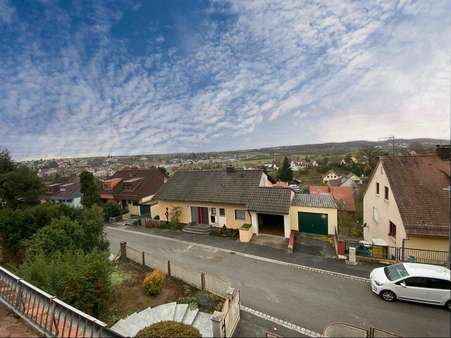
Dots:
(307, 298)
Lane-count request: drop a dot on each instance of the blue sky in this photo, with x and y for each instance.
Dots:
(82, 78)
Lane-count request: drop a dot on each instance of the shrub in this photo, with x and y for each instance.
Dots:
(80, 279)
(246, 226)
(153, 282)
(168, 328)
(203, 301)
(111, 209)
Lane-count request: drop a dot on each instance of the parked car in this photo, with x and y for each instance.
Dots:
(414, 282)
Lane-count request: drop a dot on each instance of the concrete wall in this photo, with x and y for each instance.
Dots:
(387, 210)
(440, 244)
(185, 209)
(332, 217)
(133, 210)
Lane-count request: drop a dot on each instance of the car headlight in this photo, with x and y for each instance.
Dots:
(378, 283)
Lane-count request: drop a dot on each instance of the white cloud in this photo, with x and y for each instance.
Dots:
(345, 69)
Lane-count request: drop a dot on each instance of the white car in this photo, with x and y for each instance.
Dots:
(414, 282)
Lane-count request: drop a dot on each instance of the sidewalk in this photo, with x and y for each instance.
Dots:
(298, 257)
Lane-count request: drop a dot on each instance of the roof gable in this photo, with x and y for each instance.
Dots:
(418, 185)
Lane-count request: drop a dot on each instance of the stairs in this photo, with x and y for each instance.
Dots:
(131, 325)
(199, 229)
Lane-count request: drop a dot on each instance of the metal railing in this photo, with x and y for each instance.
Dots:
(395, 254)
(47, 314)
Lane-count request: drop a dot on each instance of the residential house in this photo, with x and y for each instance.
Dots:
(407, 202)
(133, 189)
(331, 175)
(349, 180)
(233, 197)
(66, 192)
(344, 196)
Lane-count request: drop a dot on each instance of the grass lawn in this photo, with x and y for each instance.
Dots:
(129, 296)
(310, 176)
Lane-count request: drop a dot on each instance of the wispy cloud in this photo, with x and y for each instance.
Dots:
(333, 70)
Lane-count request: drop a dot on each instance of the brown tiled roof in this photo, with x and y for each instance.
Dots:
(418, 184)
(65, 191)
(143, 182)
(239, 187)
(343, 195)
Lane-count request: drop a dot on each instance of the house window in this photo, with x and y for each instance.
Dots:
(135, 204)
(375, 215)
(240, 214)
(221, 212)
(377, 188)
(386, 193)
(392, 230)
(213, 211)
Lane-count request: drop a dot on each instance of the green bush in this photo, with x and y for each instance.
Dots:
(78, 278)
(111, 209)
(153, 282)
(203, 301)
(246, 226)
(168, 328)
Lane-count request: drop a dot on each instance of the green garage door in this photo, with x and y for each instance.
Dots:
(312, 223)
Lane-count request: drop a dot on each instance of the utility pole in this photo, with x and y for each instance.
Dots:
(393, 142)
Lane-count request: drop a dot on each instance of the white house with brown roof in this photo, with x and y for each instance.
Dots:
(233, 197)
(406, 203)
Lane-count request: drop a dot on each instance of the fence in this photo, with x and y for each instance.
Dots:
(225, 322)
(395, 254)
(47, 314)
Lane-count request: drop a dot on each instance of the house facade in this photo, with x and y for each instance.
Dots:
(67, 193)
(230, 198)
(133, 190)
(331, 175)
(406, 204)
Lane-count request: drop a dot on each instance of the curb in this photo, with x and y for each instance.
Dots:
(284, 323)
(238, 253)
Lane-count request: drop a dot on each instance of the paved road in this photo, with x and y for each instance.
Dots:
(306, 298)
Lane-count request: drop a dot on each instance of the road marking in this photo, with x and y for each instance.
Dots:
(263, 259)
(284, 323)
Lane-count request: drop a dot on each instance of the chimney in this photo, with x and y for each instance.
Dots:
(443, 151)
(230, 169)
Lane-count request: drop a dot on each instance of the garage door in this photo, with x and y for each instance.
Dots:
(312, 223)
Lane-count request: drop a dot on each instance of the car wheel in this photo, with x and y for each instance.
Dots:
(448, 305)
(388, 296)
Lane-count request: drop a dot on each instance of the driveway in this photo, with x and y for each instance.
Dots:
(309, 299)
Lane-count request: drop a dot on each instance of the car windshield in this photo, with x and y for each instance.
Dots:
(396, 271)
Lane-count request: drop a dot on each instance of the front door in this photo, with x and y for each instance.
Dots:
(199, 215)
(313, 223)
(222, 217)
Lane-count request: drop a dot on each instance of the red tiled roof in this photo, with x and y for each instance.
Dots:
(419, 186)
(344, 196)
(134, 184)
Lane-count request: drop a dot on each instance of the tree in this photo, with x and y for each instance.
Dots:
(20, 186)
(89, 191)
(6, 164)
(285, 173)
(369, 157)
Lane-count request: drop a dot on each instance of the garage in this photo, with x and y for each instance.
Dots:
(270, 224)
(314, 214)
(313, 223)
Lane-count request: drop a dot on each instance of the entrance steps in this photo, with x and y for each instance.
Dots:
(199, 229)
(181, 313)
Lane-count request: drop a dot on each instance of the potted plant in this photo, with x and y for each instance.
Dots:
(246, 232)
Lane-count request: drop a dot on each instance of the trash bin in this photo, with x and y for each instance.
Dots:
(341, 247)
